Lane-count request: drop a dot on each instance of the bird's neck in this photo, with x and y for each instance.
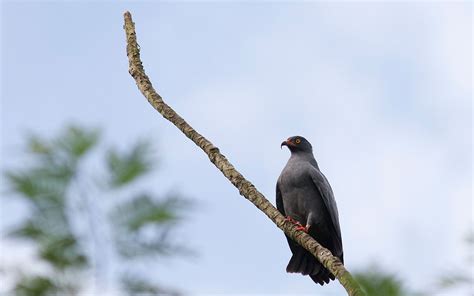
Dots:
(304, 156)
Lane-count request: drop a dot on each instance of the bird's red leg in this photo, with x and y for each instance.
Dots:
(298, 224)
(302, 228)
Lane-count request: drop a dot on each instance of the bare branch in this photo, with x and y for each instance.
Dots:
(245, 188)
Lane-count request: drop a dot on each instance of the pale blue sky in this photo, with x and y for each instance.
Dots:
(382, 90)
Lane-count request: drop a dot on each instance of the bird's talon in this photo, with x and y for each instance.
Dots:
(298, 225)
(302, 228)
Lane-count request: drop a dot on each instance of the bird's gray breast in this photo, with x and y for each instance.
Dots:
(299, 194)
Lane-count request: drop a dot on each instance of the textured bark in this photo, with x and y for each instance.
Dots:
(245, 188)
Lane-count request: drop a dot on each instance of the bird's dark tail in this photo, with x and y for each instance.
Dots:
(303, 262)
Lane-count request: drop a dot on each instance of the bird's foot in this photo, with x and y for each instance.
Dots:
(297, 224)
(302, 228)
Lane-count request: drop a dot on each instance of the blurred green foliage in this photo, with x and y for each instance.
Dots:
(126, 167)
(145, 214)
(136, 286)
(36, 285)
(140, 222)
(376, 282)
(461, 276)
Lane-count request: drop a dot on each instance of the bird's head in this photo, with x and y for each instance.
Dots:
(298, 144)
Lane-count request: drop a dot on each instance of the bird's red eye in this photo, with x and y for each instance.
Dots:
(297, 141)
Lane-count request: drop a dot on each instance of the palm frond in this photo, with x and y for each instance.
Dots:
(127, 166)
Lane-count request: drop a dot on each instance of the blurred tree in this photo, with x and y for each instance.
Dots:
(84, 220)
(460, 277)
(376, 282)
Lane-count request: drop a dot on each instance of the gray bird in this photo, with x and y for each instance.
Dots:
(304, 196)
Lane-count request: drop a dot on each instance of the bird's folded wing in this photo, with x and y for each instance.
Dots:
(279, 201)
(325, 190)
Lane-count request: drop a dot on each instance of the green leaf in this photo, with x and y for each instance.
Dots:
(144, 210)
(128, 166)
(35, 286)
(62, 252)
(22, 183)
(137, 218)
(45, 224)
(41, 185)
(38, 145)
(77, 141)
(137, 286)
(30, 230)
